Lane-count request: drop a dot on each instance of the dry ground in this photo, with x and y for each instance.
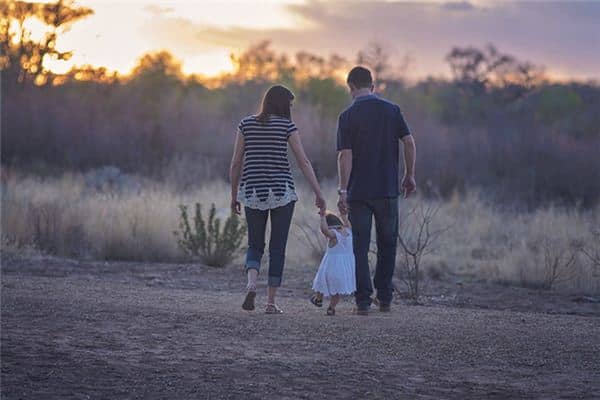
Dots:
(87, 330)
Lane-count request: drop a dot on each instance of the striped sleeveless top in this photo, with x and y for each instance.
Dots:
(267, 180)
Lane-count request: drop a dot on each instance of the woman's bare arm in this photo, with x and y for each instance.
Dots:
(307, 169)
(235, 171)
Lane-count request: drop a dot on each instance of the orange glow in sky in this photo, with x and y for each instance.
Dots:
(117, 34)
(202, 34)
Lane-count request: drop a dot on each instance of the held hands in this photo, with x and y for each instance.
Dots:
(236, 207)
(343, 203)
(409, 185)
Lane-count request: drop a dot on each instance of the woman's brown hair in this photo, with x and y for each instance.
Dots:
(277, 101)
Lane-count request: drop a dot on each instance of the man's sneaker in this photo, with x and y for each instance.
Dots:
(384, 307)
(361, 311)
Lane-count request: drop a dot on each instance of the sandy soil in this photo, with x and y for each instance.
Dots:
(83, 330)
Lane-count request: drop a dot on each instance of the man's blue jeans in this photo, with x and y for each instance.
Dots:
(281, 219)
(361, 215)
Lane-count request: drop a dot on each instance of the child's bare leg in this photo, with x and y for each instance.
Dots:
(335, 299)
(332, 303)
(319, 295)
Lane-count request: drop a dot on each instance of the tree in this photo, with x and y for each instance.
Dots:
(376, 58)
(157, 69)
(311, 67)
(22, 56)
(336, 64)
(87, 73)
(259, 62)
(308, 65)
(480, 69)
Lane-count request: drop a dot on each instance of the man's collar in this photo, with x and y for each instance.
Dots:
(365, 97)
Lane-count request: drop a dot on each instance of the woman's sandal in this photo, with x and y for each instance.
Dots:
(330, 311)
(248, 304)
(316, 301)
(273, 309)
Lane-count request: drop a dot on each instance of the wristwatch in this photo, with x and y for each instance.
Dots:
(342, 191)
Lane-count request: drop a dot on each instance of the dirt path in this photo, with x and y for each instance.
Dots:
(132, 331)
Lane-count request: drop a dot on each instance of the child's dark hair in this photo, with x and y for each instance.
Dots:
(333, 220)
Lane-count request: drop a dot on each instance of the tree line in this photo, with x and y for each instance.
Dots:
(498, 123)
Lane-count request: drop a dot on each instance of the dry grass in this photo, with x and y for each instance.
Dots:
(67, 217)
(519, 248)
(71, 217)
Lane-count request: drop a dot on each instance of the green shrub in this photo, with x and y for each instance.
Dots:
(206, 240)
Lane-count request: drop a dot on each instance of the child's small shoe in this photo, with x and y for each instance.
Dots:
(316, 300)
(330, 311)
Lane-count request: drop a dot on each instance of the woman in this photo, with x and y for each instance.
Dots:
(267, 186)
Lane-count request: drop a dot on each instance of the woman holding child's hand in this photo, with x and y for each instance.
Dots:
(262, 180)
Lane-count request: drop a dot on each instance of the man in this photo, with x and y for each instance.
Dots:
(369, 132)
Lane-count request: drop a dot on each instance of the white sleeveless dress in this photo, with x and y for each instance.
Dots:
(336, 274)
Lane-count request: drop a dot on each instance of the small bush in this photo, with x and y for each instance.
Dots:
(417, 239)
(46, 220)
(206, 240)
(592, 252)
(558, 262)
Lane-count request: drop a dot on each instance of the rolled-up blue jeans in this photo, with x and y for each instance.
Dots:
(385, 211)
(281, 219)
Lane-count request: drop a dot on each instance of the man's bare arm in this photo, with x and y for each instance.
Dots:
(346, 221)
(344, 169)
(410, 152)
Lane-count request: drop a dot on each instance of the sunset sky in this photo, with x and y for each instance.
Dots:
(564, 36)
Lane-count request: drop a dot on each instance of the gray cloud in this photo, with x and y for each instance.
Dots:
(458, 6)
(563, 36)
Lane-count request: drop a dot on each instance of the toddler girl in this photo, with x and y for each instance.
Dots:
(336, 274)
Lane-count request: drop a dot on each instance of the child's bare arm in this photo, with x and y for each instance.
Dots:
(346, 221)
(325, 229)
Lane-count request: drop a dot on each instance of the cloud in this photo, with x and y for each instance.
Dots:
(562, 36)
(183, 36)
(157, 10)
(458, 6)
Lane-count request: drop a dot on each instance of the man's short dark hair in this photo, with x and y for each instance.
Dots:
(360, 77)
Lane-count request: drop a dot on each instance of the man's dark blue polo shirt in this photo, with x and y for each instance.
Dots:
(371, 128)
